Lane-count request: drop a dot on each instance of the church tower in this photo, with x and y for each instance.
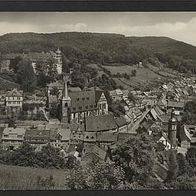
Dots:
(65, 103)
(172, 130)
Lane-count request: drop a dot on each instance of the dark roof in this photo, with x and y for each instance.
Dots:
(121, 121)
(100, 123)
(82, 101)
(98, 95)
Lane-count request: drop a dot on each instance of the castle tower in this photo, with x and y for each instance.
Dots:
(172, 129)
(65, 103)
(59, 63)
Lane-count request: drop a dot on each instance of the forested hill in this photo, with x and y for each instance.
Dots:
(105, 48)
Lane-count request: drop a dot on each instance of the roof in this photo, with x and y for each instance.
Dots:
(89, 136)
(107, 137)
(121, 121)
(65, 134)
(100, 123)
(184, 134)
(175, 104)
(14, 93)
(34, 134)
(82, 101)
(96, 151)
(124, 136)
(19, 131)
(13, 133)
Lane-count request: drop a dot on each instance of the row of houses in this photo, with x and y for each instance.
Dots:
(100, 130)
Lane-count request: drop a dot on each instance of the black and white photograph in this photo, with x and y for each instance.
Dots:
(97, 100)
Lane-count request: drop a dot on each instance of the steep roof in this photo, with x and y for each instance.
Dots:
(184, 134)
(100, 123)
(82, 101)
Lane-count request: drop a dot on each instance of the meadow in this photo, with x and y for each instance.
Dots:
(26, 178)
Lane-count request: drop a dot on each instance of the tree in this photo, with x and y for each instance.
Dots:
(136, 156)
(133, 72)
(189, 116)
(14, 63)
(191, 157)
(99, 176)
(11, 123)
(23, 156)
(55, 91)
(183, 166)
(173, 167)
(131, 97)
(26, 76)
(49, 157)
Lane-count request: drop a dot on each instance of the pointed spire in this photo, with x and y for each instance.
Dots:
(65, 89)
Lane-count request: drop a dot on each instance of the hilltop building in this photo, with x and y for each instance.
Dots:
(57, 55)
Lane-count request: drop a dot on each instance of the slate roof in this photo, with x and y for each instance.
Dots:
(100, 123)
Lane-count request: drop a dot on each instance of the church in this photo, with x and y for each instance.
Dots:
(79, 104)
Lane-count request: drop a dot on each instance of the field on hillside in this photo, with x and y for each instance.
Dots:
(142, 74)
(25, 178)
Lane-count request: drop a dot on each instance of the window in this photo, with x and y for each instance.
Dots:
(92, 137)
(87, 98)
(80, 108)
(66, 104)
(83, 98)
(78, 99)
(19, 136)
(86, 107)
(104, 106)
(87, 137)
(18, 98)
(5, 135)
(74, 108)
(91, 106)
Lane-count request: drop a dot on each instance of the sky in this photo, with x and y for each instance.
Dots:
(180, 25)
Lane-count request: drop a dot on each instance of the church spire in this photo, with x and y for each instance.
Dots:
(65, 88)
